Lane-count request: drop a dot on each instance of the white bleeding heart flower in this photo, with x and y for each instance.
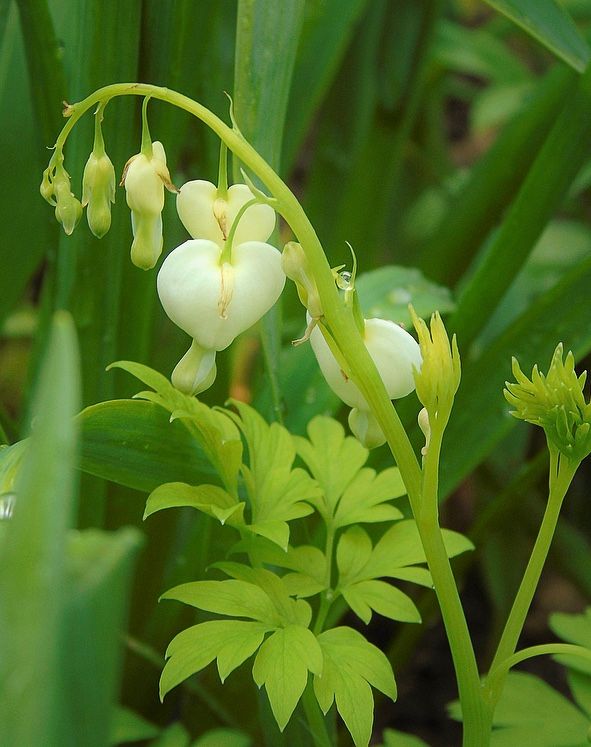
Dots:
(206, 215)
(215, 301)
(395, 353)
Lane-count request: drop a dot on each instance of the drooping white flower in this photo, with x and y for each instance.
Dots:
(395, 353)
(144, 178)
(215, 301)
(206, 215)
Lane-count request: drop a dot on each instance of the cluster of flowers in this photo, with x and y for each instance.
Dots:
(226, 277)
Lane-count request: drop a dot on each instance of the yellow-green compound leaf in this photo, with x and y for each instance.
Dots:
(231, 642)
(573, 629)
(290, 611)
(382, 598)
(365, 498)
(351, 665)
(549, 23)
(234, 598)
(282, 665)
(210, 499)
(277, 492)
(333, 459)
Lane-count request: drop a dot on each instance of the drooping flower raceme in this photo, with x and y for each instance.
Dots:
(144, 177)
(213, 290)
(395, 353)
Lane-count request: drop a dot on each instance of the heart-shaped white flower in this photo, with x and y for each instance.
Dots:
(215, 302)
(394, 351)
(205, 215)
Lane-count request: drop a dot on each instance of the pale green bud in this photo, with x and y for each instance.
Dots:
(144, 178)
(438, 379)
(46, 187)
(295, 266)
(68, 209)
(366, 428)
(196, 370)
(98, 192)
(555, 402)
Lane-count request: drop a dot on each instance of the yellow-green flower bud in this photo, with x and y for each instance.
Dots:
(555, 402)
(46, 187)
(439, 377)
(68, 209)
(196, 370)
(98, 192)
(144, 178)
(295, 266)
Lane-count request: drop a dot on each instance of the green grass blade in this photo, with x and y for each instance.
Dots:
(542, 192)
(550, 24)
(495, 180)
(100, 568)
(328, 28)
(267, 35)
(32, 584)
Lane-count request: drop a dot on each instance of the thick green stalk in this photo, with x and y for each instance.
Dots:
(475, 715)
(562, 471)
(338, 318)
(315, 719)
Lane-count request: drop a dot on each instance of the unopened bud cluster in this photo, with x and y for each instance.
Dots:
(556, 402)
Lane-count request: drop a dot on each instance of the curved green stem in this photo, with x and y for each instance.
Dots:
(315, 718)
(562, 471)
(340, 320)
(565, 649)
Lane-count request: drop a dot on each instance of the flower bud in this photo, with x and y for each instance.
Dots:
(295, 266)
(214, 302)
(366, 428)
(196, 370)
(439, 377)
(395, 353)
(98, 192)
(555, 402)
(206, 215)
(144, 178)
(68, 209)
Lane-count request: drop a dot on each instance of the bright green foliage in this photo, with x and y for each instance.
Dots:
(387, 292)
(351, 493)
(277, 493)
(129, 726)
(282, 666)
(396, 555)
(211, 499)
(555, 402)
(351, 665)
(223, 738)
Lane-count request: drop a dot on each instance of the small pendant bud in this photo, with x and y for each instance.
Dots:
(196, 370)
(98, 192)
(68, 209)
(366, 428)
(295, 266)
(144, 178)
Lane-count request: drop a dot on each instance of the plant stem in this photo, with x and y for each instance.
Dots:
(315, 718)
(475, 715)
(562, 471)
(327, 596)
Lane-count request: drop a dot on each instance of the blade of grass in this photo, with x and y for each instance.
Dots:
(32, 583)
(550, 24)
(495, 180)
(542, 192)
